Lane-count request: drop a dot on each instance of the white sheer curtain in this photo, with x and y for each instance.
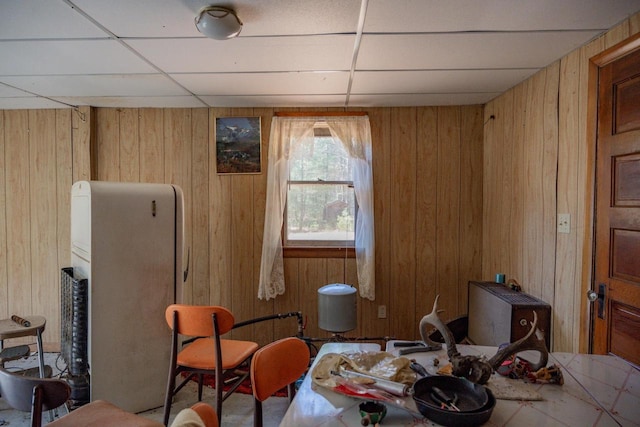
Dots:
(287, 134)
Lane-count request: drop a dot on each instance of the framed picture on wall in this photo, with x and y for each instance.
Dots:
(238, 145)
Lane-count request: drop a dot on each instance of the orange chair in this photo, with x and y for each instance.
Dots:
(274, 366)
(201, 355)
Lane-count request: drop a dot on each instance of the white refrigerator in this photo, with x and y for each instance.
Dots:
(127, 240)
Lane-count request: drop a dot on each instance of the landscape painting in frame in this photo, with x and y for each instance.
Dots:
(238, 145)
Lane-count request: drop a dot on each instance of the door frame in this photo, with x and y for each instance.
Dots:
(588, 251)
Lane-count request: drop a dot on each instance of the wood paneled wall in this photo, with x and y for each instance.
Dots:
(539, 162)
(428, 211)
(41, 153)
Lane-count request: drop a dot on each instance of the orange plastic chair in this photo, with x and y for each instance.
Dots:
(275, 366)
(201, 355)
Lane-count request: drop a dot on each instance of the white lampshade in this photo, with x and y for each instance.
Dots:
(218, 23)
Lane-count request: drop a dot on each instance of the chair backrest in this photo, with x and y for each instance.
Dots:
(207, 414)
(195, 320)
(277, 365)
(33, 395)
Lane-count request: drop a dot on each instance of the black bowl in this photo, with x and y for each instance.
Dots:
(468, 415)
(470, 396)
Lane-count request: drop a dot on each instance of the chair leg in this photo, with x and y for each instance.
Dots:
(257, 413)
(36, 407)
(200, 381)
(171, 383)
(291, 392)
(219, 387)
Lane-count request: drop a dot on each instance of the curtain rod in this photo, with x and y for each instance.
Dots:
(318, 113)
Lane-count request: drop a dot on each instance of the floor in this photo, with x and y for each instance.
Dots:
(237, 409)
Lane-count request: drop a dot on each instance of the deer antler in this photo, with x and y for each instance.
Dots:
(477, 368)
(532, 341)
(474, 368)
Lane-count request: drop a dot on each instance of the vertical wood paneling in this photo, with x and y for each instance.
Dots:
(403, 218)
(4, 244)
(107, 147)
(448, 209)
(516, 239)
(18, 211)
(312, 275)
(534, 158)
(42, 215)
(220, 223)
(64, 181)
(549, 174)
(470, 241)
(241, 197)
(199, 254)
(82, 123)
(151, 142)
(426, 206)
(568, 148)
(288, 301)
(491, 142)
(129, 145)
(4, 307)
(505, 178)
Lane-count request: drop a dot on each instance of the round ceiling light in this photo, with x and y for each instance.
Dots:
(218, 22)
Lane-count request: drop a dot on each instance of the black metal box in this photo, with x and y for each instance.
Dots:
(499, 314)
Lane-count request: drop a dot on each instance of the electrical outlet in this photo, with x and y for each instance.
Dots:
(564, 223)
(382, 312)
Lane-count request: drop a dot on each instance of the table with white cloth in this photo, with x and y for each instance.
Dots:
(597, 391)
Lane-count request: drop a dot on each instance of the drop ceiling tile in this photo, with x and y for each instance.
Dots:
(416, 100)
(312, 83)
(134, 102)
(495, 15)
(466, 51)
(43, 19)
(437, 81)
(249, 54)
(171, 18)
(276, 101)
(131, 85)
(69, 57)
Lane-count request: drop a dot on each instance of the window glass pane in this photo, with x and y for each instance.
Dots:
(325, 160)
(322, 213)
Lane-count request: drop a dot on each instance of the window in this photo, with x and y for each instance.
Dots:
(322, 189)
(321, 205)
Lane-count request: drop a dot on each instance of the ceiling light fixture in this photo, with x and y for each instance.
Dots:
(219, 23)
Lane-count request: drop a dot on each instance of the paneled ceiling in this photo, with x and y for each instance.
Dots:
(148, 53)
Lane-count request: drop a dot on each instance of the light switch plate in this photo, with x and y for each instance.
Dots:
(564, 223)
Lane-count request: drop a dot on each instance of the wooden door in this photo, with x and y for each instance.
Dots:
(616, 313)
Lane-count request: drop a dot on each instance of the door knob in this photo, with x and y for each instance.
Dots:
(599, 296)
